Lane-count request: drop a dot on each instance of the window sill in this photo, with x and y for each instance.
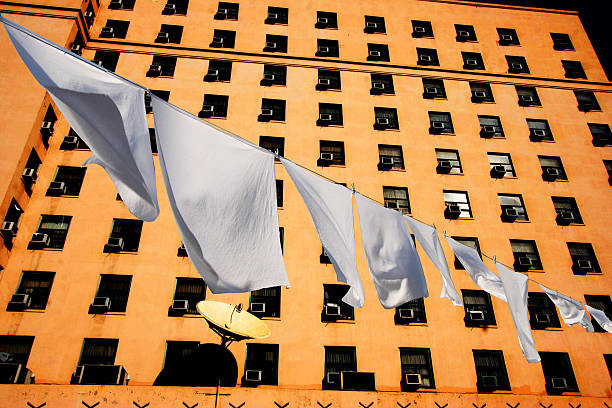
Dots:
(452, 174)
(535, 271)
(28, 311)
(574, 225)
(109, 314)
(329, 90)
(121, 253)
(463, 218)
(553, 329)
(191, 316)
(340, 321)
(277, 319)
(417, 324)
(496, 392)
(484, 327)
(507, 177)
(387, 130)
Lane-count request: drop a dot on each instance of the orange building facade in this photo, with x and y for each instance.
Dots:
(491, 122)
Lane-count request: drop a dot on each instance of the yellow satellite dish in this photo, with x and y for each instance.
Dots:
(231, 322)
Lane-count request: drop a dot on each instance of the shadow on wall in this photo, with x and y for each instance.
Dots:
(202, 368)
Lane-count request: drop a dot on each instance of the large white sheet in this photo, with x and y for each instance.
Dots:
(572, 311)
(601, 318)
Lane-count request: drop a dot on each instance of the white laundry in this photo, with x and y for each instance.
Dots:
(572, 311)
(601, 318)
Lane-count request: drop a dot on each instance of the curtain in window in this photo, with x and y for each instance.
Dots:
(395, 193)
(522, 247)
(440, 117)
(538, 124)
(55, 222)
(571, 310)
(550, 162)
(390, 151)
(98, 351)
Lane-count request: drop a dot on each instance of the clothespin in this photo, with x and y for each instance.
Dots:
(434, 225)
(353, 186)
(494, 258)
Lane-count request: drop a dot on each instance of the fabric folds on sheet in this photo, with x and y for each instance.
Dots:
(427, 237)
(107, 112)
(480, 274)
(601, 318)
(394, 264)
(223, 195)
(515, 288)
(331, 208)
(572, 311)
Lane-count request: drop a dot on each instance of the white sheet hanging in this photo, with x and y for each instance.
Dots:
(515, 288)
(572, 311)
(480, 274)
(601, 318)
(331, 208)
(107, 112)
(427, 237)
(394, 264)
(223, 195)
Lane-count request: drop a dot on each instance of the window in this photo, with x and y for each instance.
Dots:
(324, 258)
(481, 92)
(491, 371)
(583, 258)
(112, 294)
(67, 182)
(191, 290)
(332, 153)
(374, 24)
(472, 60)
(440, 122)
(223, 39)
(272, 109)
(115, 29)
(277, 15)
(567, 210)
(608, 360)
(601, 134)
(378, 52)
(326, 20)
(517, 65)
(153, 140)
(558, 373)
(422, 29)
(411, 312)
(457, 204)
(165, 95)
(561, 42)
(427, 56)
(471, 242)
(385, 118)
(573, 69)
(99, 351)
(330, 114)
(214, 106)
(219, 71)
(542, 311)
(73, 142)
(124, 236)
(281, 236)
(433, 88)
(17, 347)
(227, 11)
(608, 166)
(121, 5)
(274, 144)
(390, 157)
(397, 198)
(176, 7)
(587, 101)
(179, 353)
(512, 208)
(338, 360)
(382, 84)
(328, 80)
(30, 172)
(539, 130)
(501, 165)
(37, 285)
(602, 303)
(275, 43)
(169, 34)
(327, 48)
(552, 168)
(527, 96)
(266, 302)
(465, 33)
(417, 371)
(478, 308)
(107, 59)
(261, 365)
(46, 128)
(526, 255)
(333, 306)
(11, 223)
(279, 193)
(51, 232)
(448, 162)
(162, 66)
(508, 36)
(274, 75)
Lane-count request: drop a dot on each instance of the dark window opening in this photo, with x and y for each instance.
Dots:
(10, 225)
(465, 33)
(218, 71)
(330, 114)
(382, 84)
(36, 286)
(176, 7)
(162, 66)
(266, 302)
(277, 15)
(448, 162)
(526, 255)
(390, 157)
(274, 144)
(583, 258)
(478, 308)
(331, 153)
(558, 373)
(512, 208)
(385, 118)
(214, 106)
(67, 182)
(89, 15)
(178, 353)
(272, 109)
(275, 43)
(542, 311)
(333, 306)
(51, 232)
(47, 126)
(115, 29)
(107, 59)
(153, 140)
(600, 302)
(472, 60)
(261, 365)
(587, 101)
(422, 29)
(169, 34)
(274, 75)
(601, 134)
(457, 204)
(279, 193)
(517, 65)
(539, 130)
(491, 371)
(327, 48)
(337, 361)
(501, 165)
(573, 69)
(433, 89)
(187, 294)
(562, 42)
(165, 95)
(328, 80)
(378, 52)
(397, 198)
(508, 36)
(374, 25)
(417, 371)
(73, 142)
(99, 351)
(121, 4)
(223, 39)
(440, 123)
(567, 210)
(112, 294)
(227, 11)
(410, 312)
(326, 20)
(427, 56)
(125, 236)
(527, 96)
(552, 168)
(481, 92)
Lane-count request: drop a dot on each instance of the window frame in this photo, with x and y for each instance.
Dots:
(583, 251)
(486, 307)
(398, 156)
(350, 355)
(186, 289)
(549, 367)
(461, 204)
(391, 194)
(267, 367)
(473, 56)
(381, 49)
(445, 119)
(271, 298)
(538, 303)
(497, 367)
(333, 294)
(57, 236)
(330, 24)
(282, 16)
(424, 369)
(518, 205)
(533, 255)
(433, 89)
(334, 147)
(454, 162)
(509, 166)
(39, 293)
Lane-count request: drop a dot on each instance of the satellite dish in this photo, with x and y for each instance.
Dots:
(231, 322)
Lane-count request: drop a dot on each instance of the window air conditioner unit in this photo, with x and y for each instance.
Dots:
(271, 45)
(464, 34)
(107, 32)
(88, 15)
(169, 9)
(584, 264)
(542, 318)
(20, 301)
(413, 379)
(15, 373)
(39, 241)
(258, 307)
(76, 48)
(100, 305)
(510, 212)
(506, 37)
(268, 77)
(453, 210)
(181, 251)
(433, 91)
(154, 70)
(9, 229)
(325, 117)
(56, 188)
(489, 380)
(99, 63)
(391, 204)
(208, 108)
(180, 306)
(324, 81)
(327, 156)
(498, 171)
(217, 40)
(332, 309)
(46, 128)
(551, 172)
(70, 142)
(479, 94)
(488, 129)
(516, 66)
(162, 37)
(386, 160)
(213, 72)
(558, 383)
(471, 62)
(382, 121)
(419, 29)
(378, 85)
(29, 175)
(115, 4)
(524, 262)
(221, 14)
(252, 375)
(267, 112)
(527, 98)
(405, 313)
(425, 57)
(476, 315)
(323, 50)
(567, 215)
(272, 16)
(437, 125)
(114, 244)
(370, 24)
(322, 20)
(538, 132)
(375, 53)
(332, 378)
(207, 111)
(445, 166)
